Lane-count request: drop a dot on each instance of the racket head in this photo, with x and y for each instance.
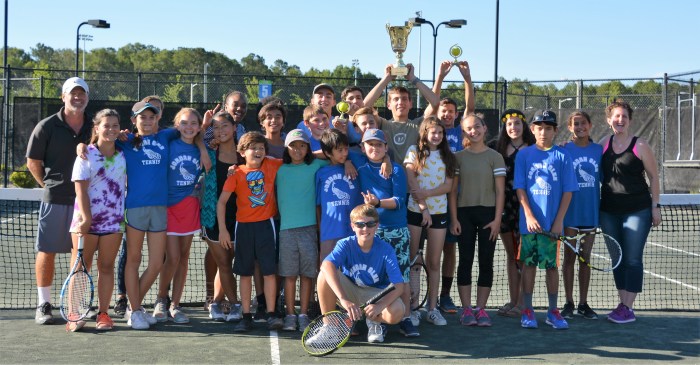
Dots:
(76, 296)
(327, 333)
(606, 252)
(418, 285)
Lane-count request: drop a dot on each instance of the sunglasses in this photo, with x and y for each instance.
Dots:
(370, 224)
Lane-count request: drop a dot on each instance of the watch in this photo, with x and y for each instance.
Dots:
(658, 205)
(379, 203)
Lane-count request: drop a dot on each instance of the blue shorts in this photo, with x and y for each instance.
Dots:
(399, 239)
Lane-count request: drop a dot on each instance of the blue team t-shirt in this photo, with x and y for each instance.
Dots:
(336, 196)
(377, 268)
(545, 176)
(183, 170)
(585, 203)
(454, 138)
(353, 136)
(393, 187)
(147, 168)
(296, 193)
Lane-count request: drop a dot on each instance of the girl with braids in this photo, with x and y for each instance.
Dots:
(476, 207)
(430, 168)
(515, 135)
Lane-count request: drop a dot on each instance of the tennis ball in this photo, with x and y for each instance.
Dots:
(343, 107)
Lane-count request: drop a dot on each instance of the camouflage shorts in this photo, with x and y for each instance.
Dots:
(539, 250)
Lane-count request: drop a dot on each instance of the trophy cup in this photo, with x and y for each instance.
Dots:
(455, 51)
(399, 38)
(343, 108)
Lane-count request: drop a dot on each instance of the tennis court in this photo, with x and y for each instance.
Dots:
(668, 328)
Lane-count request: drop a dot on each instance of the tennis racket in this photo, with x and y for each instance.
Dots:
(331, 331)
(418, 281)
(78, 291)
(606, 253)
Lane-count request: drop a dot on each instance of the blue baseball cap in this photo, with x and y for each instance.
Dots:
(374, 134)
(545, 116)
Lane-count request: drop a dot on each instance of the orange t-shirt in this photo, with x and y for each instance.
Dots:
(255, 190)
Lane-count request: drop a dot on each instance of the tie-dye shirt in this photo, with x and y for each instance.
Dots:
(106, 190)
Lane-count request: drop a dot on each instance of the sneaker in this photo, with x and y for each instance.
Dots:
(43, 314)
(178, 316)
(415, 318)
(586, 311)
(623, 315)
(261, 310)
(207, 303)
(436, 318)
(75, 326)
(150, 319)
(245, 325)
(137, 320)
(160, 313)
(304, 322)
(467, 317)
(274, 323)
(616, 310)
(104, 322)
(568, 310)
(324, 338)
(483, 319)
(92, 313)
(215, 312)
(447, 305)
(407, 328)
(290, 322)
(528, 319)
(120, 307)
(555, 320)
(234, 313)
(376, 332)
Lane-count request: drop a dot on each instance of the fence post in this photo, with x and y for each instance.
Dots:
(579, 94)
(662, 145)
(546, 101)
(138, 86)
(6, 120)
(41, 97)
(504, 96)
(524, 100)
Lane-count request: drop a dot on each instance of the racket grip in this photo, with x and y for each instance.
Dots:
(381, 294)
(550, 234)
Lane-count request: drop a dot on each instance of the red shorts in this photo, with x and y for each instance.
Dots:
(183, 217)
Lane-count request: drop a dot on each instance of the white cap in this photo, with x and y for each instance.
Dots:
(74, 82)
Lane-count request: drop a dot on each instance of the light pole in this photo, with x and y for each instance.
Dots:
(192, 92)
(454, 23)
(355, 63)
(563, 100)
(96, 23)
(85, 38)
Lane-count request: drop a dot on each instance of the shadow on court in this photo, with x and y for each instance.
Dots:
(656, 336)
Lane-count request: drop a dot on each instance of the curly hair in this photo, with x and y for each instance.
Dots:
(423, 148)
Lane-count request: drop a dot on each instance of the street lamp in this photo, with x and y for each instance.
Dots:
(454, 23)
(85, 38)
(563, 100)
(96, 23)
(355, 63)
(192, 92)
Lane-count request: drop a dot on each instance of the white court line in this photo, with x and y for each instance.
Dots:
(675, 249)
(274, 348)
(672, 280)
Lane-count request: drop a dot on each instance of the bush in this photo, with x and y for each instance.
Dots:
(23, 178)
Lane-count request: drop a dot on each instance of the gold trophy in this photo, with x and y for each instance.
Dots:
(399, 39)
(455, 51)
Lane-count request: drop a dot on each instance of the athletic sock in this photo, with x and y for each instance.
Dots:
(552, 301)
(527, 301)
(44, 295)
(446, 286)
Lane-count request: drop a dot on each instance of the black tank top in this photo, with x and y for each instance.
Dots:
(624, 188)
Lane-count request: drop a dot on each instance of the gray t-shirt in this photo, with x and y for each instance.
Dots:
(401, 135)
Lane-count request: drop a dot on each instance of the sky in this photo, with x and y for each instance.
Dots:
(538, 39)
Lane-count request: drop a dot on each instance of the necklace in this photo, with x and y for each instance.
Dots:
(517, 148)
(621, 144)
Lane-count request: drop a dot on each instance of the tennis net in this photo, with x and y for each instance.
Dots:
(671, 261)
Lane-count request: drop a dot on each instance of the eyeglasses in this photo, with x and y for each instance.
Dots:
(370, 224)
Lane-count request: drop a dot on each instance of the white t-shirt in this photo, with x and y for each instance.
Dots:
(431, 176)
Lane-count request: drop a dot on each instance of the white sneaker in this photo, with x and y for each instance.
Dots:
(151, 320)
(234, 314)
(138, 321)
(160, 313)
(415, 318)
(375, 332)
(436, 318)
(215, 312)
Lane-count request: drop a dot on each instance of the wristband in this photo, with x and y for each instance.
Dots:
(658, 205)
(379, 204)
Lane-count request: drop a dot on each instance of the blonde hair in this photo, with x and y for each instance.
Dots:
(364, 211)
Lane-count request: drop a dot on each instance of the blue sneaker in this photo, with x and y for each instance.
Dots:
(407, 328)
(447, 305)
(555, 320)
(528, 319)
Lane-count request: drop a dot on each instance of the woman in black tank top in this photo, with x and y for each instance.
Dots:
(628, 206)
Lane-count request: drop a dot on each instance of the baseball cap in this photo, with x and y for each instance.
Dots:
(139, 107)
(373, 134)
(74, 82)
(545, 116)
(323, 86)
(295, 135)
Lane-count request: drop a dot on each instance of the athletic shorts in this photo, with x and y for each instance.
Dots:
(147, 219)
(539, 250)
(52, 231)
(212, 233)
(298, 252)
(439, 220)
(399, 239)
(255, 241)
(183, 217)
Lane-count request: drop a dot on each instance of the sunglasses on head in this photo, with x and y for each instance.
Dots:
(370, 224)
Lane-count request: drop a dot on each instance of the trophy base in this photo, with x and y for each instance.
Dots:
(399, 71)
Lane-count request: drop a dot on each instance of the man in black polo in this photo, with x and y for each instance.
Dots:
(50, 159)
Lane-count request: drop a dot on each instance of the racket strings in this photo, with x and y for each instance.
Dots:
(78, 298)
(605, 253)
(415, 285)
(328, 333)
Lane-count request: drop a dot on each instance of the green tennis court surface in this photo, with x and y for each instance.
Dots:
(655, 337)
